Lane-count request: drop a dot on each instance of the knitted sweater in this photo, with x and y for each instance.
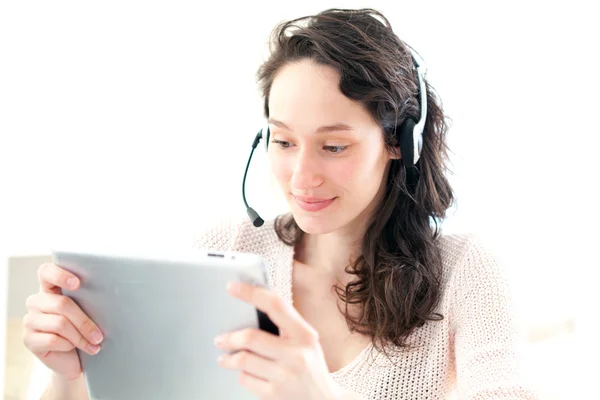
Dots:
(472, 353)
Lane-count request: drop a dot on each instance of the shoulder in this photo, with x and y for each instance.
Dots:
(471, 265)
(476, 276)
(220, 235)
(466, 252)
(237, 234)
(453, 248)
(468, 255)
(242, 236)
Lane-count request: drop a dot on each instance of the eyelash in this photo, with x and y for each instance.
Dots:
(282, 142)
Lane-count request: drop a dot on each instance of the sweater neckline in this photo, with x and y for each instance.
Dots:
(360, 356)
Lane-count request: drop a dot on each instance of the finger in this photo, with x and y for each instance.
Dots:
(250, 363)
(50, 303)
(61, 326)
(41, 343)
(52, 276)
(283, 314)
(258, 387)
(260, 342)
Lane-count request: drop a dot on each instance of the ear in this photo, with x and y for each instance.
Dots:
(395, 154)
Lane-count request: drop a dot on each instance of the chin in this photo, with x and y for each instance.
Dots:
(313, 225)
(317, 223)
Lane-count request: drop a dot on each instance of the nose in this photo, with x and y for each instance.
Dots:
(307, 173)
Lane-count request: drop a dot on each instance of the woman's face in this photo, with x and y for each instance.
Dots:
(326, 152)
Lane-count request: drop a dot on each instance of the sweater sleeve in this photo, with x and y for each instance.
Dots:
(484, 328)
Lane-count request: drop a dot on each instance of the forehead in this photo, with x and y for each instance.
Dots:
(304, 92)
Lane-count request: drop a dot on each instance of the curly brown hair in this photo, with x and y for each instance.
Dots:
(397, 275)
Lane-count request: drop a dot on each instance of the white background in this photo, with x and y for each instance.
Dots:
(131, 122)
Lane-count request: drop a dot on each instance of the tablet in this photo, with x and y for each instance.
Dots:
(159, 313)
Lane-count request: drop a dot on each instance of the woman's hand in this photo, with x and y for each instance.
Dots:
(289, 366)
(54, 325)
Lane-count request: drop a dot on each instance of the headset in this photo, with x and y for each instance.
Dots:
(410, 140)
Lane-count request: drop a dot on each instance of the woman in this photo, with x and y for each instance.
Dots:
(371, 300)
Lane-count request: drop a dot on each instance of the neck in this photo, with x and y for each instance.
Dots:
(331, 253)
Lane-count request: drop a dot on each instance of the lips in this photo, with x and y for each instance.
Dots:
(308, 203)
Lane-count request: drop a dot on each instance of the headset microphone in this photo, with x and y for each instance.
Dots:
(256, 219)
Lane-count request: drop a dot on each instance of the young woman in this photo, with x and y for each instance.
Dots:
(371, 299)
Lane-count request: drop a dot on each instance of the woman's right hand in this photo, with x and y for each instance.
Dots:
(54, 325)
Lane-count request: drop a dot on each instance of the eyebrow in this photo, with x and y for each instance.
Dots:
(326, 128)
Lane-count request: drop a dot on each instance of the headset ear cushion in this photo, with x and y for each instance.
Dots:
(406, 141)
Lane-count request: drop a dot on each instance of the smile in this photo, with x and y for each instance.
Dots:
(312, 205)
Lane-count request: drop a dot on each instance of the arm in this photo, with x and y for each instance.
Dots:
(59, 389)
(484, 329)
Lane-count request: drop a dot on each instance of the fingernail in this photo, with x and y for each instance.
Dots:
(93, 349)
(219, 340)
(233, 287)
(96, 337)
(72, 283)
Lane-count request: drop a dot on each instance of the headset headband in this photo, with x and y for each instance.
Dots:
(417, 133)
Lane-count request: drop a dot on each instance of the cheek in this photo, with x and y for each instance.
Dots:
(281, 169)
(344, 173)
(356, 171)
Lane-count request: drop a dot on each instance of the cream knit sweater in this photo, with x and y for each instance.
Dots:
(473, 353)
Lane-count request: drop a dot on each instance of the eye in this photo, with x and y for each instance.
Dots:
(335, 149)
(281, 143)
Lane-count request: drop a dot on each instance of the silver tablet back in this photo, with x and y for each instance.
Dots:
(159, 316)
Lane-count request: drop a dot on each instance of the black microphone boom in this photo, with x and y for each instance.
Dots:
(256, 219)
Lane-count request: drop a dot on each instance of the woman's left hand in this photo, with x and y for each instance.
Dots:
(289, 366)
